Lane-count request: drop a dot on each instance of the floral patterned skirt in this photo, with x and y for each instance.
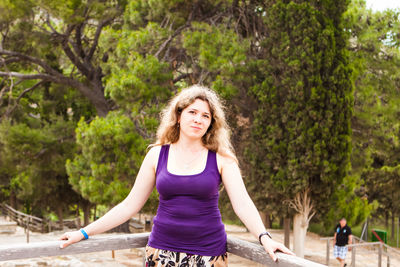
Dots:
(164, 258)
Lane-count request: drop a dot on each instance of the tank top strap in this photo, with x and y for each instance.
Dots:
(162, 158)
(212, 161)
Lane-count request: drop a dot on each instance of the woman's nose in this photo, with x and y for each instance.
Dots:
(197, 119)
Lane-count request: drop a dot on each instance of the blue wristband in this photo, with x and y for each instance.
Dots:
(84, 233)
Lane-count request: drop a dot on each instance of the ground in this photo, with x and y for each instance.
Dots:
(315, 250)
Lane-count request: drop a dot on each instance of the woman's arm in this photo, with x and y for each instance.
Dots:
(244, 206)
(131, 205)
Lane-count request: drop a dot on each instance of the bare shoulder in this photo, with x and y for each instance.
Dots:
(152, 156)
(154, 151)
(225, 160)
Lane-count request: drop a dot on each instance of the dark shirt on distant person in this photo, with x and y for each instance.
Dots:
(342, 235)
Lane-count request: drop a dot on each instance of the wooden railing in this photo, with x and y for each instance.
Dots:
(27, 221)
(245, 249)
(35, 224)
(383, 250)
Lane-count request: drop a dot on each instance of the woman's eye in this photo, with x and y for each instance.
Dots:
(191, 112)
(206, 116)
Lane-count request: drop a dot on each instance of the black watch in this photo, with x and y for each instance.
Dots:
(262, 234)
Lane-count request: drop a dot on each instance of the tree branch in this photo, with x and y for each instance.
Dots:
(180, 77)
(9, 111)
(37, 61)
(28, 90)
(2, 92)
(162, 47)
(74, 59)
(4, 35)
(34, 76)
(78, 46)
(51, 26)
(302, 204)
(78, 36)
(166, 42)
(100, 27)
(10, 60)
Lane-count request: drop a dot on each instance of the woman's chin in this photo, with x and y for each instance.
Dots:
(194, 135)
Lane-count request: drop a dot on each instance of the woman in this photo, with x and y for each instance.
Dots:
(190, 159)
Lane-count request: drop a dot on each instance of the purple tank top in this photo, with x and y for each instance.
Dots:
(188, 219)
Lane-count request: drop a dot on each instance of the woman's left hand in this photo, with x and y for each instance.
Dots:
(271, 246)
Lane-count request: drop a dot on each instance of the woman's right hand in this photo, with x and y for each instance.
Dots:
(71, 237)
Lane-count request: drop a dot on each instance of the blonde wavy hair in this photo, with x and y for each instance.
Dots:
(217, 137)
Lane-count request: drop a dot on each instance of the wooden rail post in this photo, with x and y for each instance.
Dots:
(398, 226)
(353, 257)
(380, 255)
(388, 261)
(27, 229)
(286, 226)
(327, 251)
(144, 257)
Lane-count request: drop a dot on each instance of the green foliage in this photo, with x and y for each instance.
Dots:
(37, 173)
(111, 153)
(217, 49)
(75, 11)
(348, 204)
(376, 59)
(301, 127)
(139, 87)
(286, 68)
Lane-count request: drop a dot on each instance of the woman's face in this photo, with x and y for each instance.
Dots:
(195, 119)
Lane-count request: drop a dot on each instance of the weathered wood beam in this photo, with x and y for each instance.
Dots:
(245, 249)
(93, 244)
(364, 244)
(256, 253)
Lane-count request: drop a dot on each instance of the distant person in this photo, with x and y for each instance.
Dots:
(192, 156)
(341, 239)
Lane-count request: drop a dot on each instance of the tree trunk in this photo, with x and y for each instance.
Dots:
(300, 226)
(122, 228)
(265, 219)
(94, 212)
(95, 94)
(99, 101)
(286, 224)
(304, 212)
(78, 217)
(263, 215)
(387, 220)
(86, 213)
(60, 216)
(365, 235)
(398, 234)
(13, 200)
(268, 221)
(393, 227)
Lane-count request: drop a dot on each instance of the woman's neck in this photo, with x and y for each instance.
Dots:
(184, 143)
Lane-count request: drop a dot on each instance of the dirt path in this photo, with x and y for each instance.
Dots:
(315, 250)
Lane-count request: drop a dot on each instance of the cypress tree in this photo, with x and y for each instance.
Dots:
(301, 130)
